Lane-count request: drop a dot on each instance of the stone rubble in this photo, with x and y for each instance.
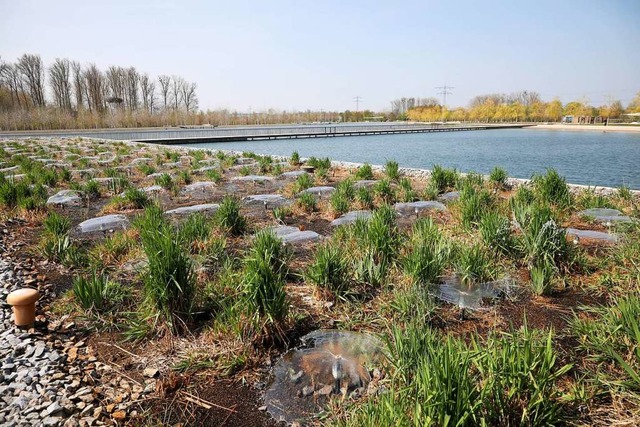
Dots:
(48, 374)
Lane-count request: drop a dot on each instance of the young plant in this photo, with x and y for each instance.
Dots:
(306, 202)
(365, 198)
(294, 160)
(495, 231)
(169, 286)
(551, 188)
(427, 253)
(165, 181)
(229, 218)
(443, 179)
(392, 170)
(498, 177)
(384, 190)
(364, 172)
(474, 265)
(265, 270)
(303, 182)
(330, 270)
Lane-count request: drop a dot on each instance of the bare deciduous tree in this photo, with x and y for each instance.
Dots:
(96, 87)
(78, 85)
(32, 71)
(165, 82)
(60, 75)
(188, 95)
(147, 89)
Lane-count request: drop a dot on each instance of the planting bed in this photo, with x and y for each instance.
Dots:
(184, 286)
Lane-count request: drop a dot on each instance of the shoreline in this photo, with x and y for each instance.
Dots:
(585, 128)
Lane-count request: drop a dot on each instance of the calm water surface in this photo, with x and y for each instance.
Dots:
(590, 158)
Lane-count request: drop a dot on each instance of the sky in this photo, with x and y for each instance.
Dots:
(299, 55)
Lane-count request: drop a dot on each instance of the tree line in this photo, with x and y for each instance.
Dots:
(69, 94)
(524, 106)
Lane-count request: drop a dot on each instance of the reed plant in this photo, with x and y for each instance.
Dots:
(303, 182)
(364, 197)
(475, 202)
(165, 181)
(97, 293)
(294, 160)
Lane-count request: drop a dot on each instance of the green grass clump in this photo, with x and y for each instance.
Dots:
(406, 191)
(97, 293)
(146, 169)
(330, 270)
(56, 224)
(364, 197)
(624, 193)
(364, 172)
(91, 189)
(384, 190)
(610, 336)
(495, 231)
(184, 177)
(324, 163)
(229, 218)
(474, 265)
(444, 179)
(196, 228)
(165, 181)
(20, 194)
(475, 202)
(551, 188)
(265, 271)
(498, 177)
(340, 200)
(306, 202)
(303, 182)
(294, 160)
(136, 198)
(169, 285)
(427, 253)
(508, 379)
(377, 241)
(542, 273)
(392, 170)
(214, 175)
(590, 199)
(541, 238)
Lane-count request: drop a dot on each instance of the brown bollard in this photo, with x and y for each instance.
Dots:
(24, 305)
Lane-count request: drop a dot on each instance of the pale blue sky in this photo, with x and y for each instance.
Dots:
(320, 54)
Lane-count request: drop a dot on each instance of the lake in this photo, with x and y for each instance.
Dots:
(589, 158)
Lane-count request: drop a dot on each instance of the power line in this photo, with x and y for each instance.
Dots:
(444, 91)
(357, 100)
